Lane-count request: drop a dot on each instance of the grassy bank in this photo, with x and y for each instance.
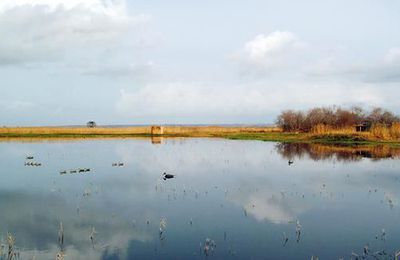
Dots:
(327, 138)
(140, 131)
(344, 136)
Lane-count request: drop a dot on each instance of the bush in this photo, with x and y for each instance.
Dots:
(395, 130)
(380, 131)
(324, 119)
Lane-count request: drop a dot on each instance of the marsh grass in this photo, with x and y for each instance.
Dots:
(10, 244)
(378, 132)
(201, 131)
(318, 134)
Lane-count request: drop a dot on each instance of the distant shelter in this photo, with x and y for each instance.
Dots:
(157, 130)
(363, 126)
(91, 124)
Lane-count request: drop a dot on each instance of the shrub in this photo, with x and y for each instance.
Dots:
(380, 131)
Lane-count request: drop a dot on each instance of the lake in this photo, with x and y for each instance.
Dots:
(227, 200)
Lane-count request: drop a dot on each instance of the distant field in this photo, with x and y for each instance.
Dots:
(262, 133)
(195, 131)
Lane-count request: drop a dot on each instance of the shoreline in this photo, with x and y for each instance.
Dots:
(272, 134)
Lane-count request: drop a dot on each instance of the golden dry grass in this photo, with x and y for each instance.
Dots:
(215, 130)
(376, 133)
(139, 130)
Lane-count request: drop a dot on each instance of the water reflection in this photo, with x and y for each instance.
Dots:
(156, 139)
(241, 196)
(338, 152)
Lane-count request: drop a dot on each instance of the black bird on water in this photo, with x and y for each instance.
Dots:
(168, 176)
(290, 162)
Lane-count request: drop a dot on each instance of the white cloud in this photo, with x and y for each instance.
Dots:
(268, 52)
(94, 5)
(384, 69)
(263, 46)
(393, 56)
(283, 55)
(196, 100)
(49, 30)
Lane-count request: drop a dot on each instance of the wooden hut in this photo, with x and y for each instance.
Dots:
(363, 126)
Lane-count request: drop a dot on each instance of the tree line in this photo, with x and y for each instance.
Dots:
(333, 117)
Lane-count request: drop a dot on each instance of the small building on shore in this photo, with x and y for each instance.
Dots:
(91, 124)
(157, 130)
(363, 126)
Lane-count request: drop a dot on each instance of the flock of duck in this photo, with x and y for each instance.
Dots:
(30, 162)
(79, 170)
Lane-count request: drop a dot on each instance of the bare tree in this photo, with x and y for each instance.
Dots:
(333, 117)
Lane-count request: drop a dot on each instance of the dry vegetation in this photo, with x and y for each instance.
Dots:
(196, 131)
(340, 124)
(377, 132)
(73, 131)
(318, 125)
(215, 130)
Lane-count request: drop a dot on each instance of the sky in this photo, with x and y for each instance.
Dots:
(66, 62)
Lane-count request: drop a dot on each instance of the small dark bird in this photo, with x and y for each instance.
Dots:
(168, 176)
(290, 162)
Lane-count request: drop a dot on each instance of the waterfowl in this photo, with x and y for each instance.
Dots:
(168, 176)
(63, 172)
(290, 162)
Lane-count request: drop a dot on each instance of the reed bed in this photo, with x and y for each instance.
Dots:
(378, 132)
(74, 130)
(215, 130)
(319, 133)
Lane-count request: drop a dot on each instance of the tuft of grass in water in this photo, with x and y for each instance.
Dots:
(92, 236)
(61, 235)
(60, 256)
(11, 244)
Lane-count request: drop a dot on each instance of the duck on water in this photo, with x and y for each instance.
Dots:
(167, 176)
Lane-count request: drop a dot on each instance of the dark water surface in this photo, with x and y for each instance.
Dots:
(241, 195)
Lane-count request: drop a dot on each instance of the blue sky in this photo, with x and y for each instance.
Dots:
(66, 62)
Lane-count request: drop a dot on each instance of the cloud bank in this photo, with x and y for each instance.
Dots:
(180, 99)
(50, 30)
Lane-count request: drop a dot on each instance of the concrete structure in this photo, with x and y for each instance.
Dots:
(157, 130)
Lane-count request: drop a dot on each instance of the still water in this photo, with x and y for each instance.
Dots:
(228, 200)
